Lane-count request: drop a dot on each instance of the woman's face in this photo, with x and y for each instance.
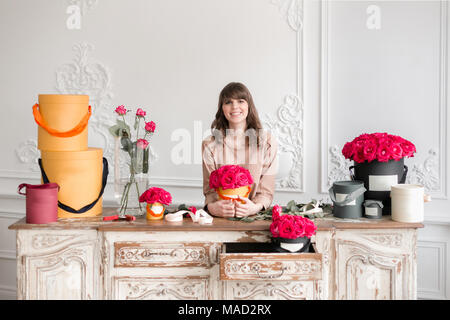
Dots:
(236, 111)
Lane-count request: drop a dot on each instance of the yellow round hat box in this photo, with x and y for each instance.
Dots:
(82, 177)
(62, 122)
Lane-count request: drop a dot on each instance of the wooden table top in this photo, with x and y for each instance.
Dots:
(219, 224)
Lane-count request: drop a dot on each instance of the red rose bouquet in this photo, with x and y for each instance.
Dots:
(230, 177)
(378, 146)
(290, 226)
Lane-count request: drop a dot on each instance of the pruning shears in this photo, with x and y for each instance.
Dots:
(126, 217)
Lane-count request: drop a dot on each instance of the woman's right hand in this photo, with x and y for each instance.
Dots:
(222, 208)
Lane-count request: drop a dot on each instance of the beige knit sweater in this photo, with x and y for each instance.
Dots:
(262, 162)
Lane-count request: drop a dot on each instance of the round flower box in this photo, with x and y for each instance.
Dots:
(379, 163)
(300, 244)
(231, 181)
(156, 199)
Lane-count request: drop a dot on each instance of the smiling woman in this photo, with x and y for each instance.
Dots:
(238, 139)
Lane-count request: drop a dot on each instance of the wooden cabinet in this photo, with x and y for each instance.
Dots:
(139, 260)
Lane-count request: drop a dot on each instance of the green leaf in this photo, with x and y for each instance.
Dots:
(291, 206)
(114, 130)
(127, 145)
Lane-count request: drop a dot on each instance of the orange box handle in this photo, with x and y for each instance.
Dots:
(66, 134)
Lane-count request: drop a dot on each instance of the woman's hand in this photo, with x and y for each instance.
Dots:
(247, 208)
(222, 208)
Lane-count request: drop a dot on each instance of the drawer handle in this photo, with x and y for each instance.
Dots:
(273, 276)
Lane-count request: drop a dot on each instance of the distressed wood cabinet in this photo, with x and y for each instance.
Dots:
(91, 259)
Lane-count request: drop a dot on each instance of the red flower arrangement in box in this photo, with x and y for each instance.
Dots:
(290, 226)
(378, 146)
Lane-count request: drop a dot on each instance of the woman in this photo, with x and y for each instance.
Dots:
(238, 139)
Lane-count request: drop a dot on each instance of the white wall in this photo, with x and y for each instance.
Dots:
(318, 75)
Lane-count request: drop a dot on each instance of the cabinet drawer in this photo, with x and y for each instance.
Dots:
(258, 261)
(151, 254)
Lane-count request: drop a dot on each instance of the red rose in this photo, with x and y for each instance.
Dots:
(396, 151)
(214, 180)
(349, 150)
(287, 227)
(370, 150)
(228, 180)
(150, 126)
(276, 212)
(383, 153)
(274, 229)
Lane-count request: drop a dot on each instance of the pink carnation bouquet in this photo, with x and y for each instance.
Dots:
(290, 226)
(378, 146)
(231, 181)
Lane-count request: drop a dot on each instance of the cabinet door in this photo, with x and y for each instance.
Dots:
(374, 264)
(58, 265)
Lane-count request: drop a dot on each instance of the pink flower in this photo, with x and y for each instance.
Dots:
(228, 180)
(396, 151)
(370, 150)
(140, 112)
(349, 150)
(287, 228)
(383, 153)
(121, 110)
(378, 146)
(408, 148)
(142, 143)
(150, 126)
(230, 177)
(276, 212)
(291, 227)
(274, 229)
(214, 182)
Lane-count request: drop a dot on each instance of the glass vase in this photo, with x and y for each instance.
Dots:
(130, 178)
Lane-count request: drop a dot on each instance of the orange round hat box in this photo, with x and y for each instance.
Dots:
(62, 122)
(82, 177)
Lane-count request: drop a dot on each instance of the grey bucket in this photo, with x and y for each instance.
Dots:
(347, 197)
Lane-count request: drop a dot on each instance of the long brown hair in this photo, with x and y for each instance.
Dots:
(236, 90)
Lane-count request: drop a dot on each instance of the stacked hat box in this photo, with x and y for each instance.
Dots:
(80, 171)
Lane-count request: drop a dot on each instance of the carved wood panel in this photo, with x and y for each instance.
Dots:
(270, 290)
(150, 254)
(68, 273)
(160, 288)
(260, 266)
(363, 271)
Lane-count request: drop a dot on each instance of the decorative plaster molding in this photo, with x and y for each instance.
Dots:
(426, 173)
(339, 166)
(292, 11)
(28, 153)
(288, 128)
